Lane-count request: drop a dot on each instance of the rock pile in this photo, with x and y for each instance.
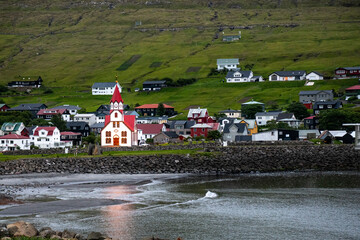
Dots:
(214, 160)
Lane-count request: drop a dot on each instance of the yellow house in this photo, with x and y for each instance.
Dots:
(251, 125)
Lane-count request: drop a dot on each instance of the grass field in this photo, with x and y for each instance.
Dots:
(74, 45)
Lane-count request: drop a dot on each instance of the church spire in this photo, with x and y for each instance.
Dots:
(116, 95)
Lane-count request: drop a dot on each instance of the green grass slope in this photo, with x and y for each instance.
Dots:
(73, 44)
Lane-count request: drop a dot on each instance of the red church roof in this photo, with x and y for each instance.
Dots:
(129, 121)
(50, 130)
(116, 96)
(13, 136)
(153, 106)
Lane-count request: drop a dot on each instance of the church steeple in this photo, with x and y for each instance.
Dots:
(116, 102)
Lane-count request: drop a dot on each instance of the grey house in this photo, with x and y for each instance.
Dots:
(180, 127)
(316, 96)
(235, 131)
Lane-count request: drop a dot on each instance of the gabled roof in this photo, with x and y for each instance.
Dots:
(98, 125)
(50, 130)
(154, 82)
(283, 116)
(252, 102)
(116, 96)
(14, 126)
(202, 125)
(227, 61)
(335, 104)
(171, 134)
(201, 111)
(244, 74)
(251, 123)
(131, 112)
(230, 111)
(315, 92)
(150, 128)
(14, 136)
(317, 73)
(28, 107)
(68, 107)
(289, 73)
(129, 121)
(356, 87)
(82, 125)
(3, 104)
(69, 133)
(310, 118)
(349, 68)
(104, 85)
(240, 126)
(84, 115)
(152, 106)
(275, 114)
(51, 111)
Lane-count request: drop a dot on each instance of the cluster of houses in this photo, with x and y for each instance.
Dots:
(235, 75)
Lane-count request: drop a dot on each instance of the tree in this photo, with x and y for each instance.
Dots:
(89, 139)
(58, 122)
(272, 124)
(39, 122)
(299, 110)
(24, 117)
(213, 135)
(250, 110)
(160, 110)
(335, 118)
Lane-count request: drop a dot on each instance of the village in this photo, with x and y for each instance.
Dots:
(116, 125)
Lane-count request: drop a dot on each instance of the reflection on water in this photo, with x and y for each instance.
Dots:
(249, 206)
(118, 218)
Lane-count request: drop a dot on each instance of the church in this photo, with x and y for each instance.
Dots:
(119, 129)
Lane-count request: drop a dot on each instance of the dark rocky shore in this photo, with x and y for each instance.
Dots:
(214, 160)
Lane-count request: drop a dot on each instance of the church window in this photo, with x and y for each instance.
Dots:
(116, 115)
(108, 133)
(123, 133)
(123, 140)
(118, 124)
(114, 124)
(108, 140)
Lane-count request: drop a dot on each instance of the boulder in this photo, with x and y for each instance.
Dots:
(6, 238)
(67, 234)
(4, 232)
(55, 237)
(46, 233)
(97, 236)
(22, 229)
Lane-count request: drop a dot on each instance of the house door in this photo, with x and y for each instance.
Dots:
(116, 140)
(286, 78)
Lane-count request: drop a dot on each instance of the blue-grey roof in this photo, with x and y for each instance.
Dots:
(98, 125)
(290, 73)
(230, 111)
(68, 107)
(152, 118)
(352, 68)
(171, 134)
(154, 82)
(227, 61)
(241, 127)
(284, 115)
(104, 85)
(186, 124)
(245, 74)
(314, 92)
(335, 104)
(275, 114)
(82, 125)
(28, 107)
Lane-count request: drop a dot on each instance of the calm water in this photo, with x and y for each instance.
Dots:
(250, 206)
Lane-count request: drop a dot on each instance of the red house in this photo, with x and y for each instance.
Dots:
(308, 105)
(202, 129)
(4, 107)
(347, 72)
(353, 91)
(199, 115)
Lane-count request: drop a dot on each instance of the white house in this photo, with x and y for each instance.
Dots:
(239, 76)
(119, 129)
(12, 142)
(263, 117)
(48, 137)
(89, 118)
(104, 88)
(272, 135)
(287, 76)
(314, 76)
(229, 63)
(149, 131)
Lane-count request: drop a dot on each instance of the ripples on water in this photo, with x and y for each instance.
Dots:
(249, 206)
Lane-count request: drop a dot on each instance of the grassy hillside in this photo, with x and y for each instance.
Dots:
(73, 44)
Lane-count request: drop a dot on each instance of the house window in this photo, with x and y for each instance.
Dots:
(123, 133)
(2, 141)
(280, 133)
(329, 106)
(321, 106)
(272, 133)
(108, 140)
(11, 141)
(123, 140)
(259, 117)
(287, 135)
(47, 140)
(108, 133)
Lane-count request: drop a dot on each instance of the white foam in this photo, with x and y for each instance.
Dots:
(210, 195)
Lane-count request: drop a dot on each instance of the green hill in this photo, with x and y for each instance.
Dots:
(73, 44)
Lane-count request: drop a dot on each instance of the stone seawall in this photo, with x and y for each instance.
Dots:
(215, 160)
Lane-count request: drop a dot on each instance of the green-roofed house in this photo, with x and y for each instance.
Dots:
(13, 128)
(227, 63)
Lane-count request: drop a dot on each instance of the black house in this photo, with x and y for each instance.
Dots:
(33, 108)
(23, 83)
(71, 136)
(79, 127)
(325, 105)
(287, 135)
(153, 85)
(311, 122)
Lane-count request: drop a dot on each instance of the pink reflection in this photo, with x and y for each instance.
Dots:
(118, 220)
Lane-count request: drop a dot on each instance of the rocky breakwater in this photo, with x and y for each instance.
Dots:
(214, 160)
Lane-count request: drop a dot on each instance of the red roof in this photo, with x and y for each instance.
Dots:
(356, 87)
(69, 133)
(150, 128)
(50, 130)
(13, 136)
(54, 111)
(311, 117)
(116, 96)
(153, 106)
